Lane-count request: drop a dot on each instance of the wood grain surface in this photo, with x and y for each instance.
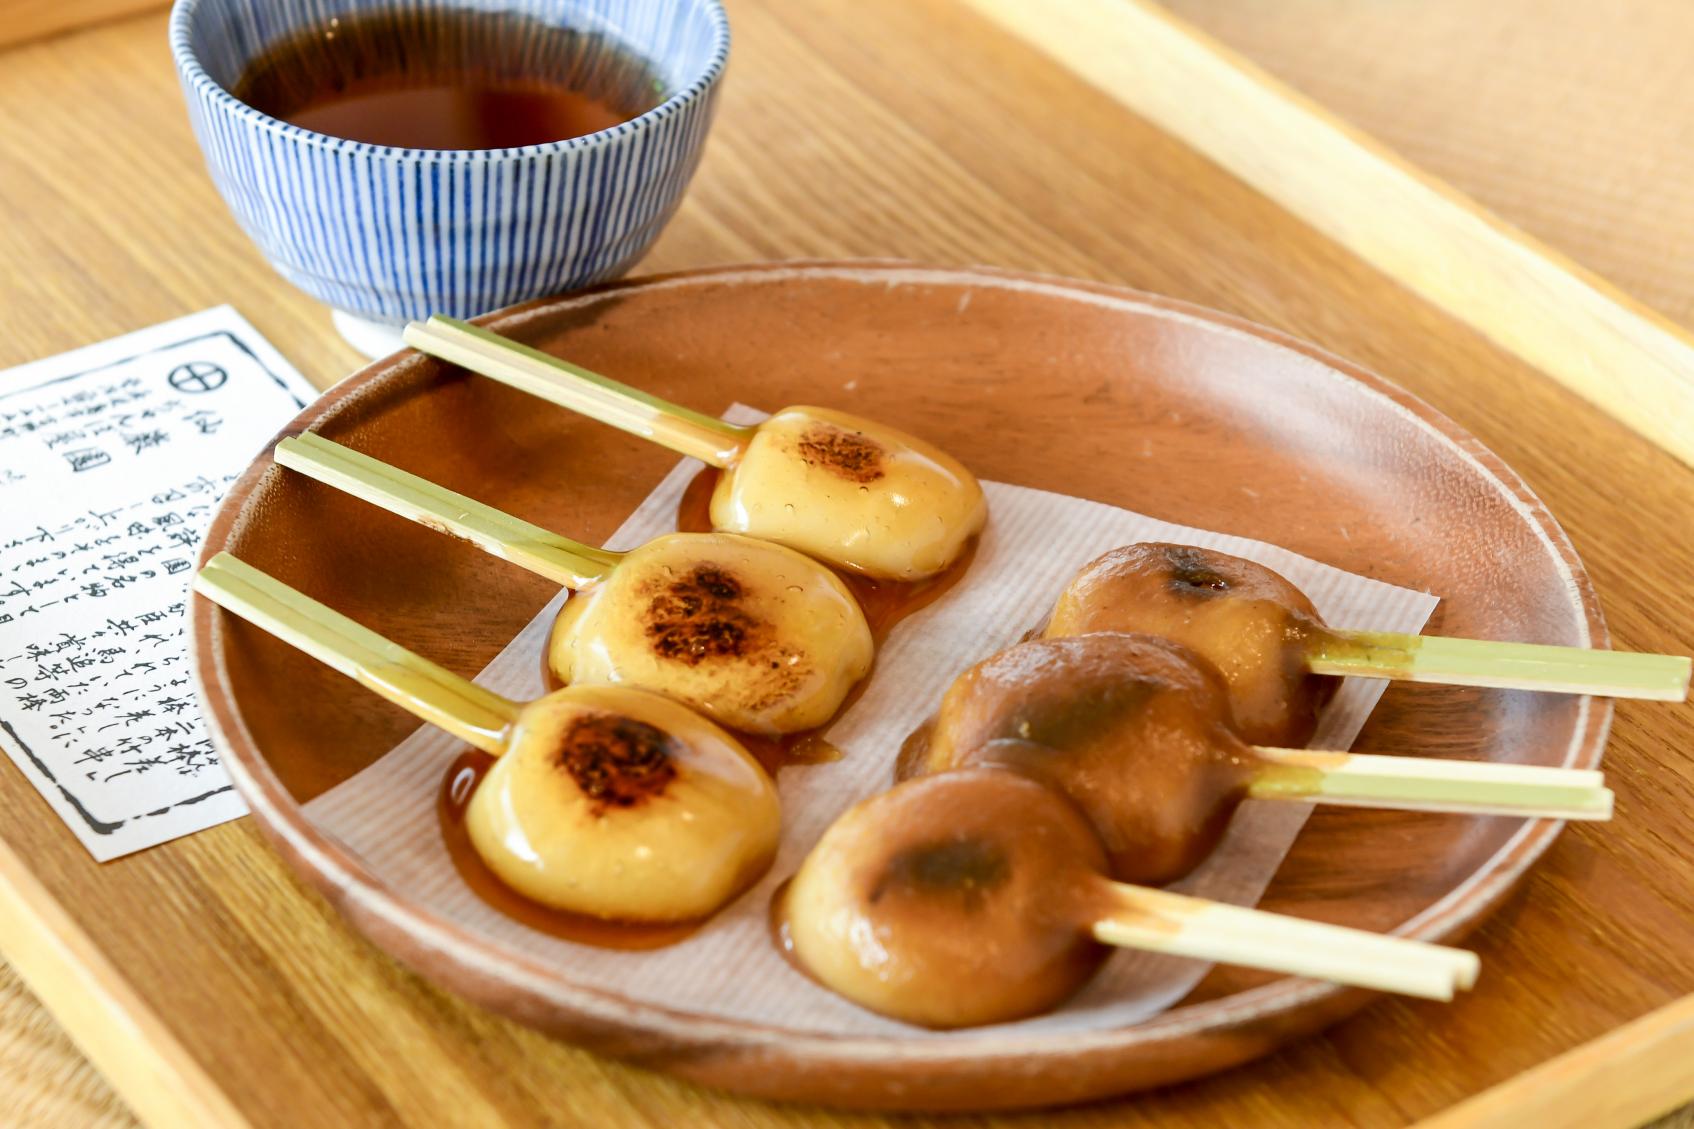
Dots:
(1540, 305)
(843, 132)
(1567, 118)
(1620, 1078)
(22, 20)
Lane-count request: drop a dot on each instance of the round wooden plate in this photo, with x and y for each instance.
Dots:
(1081, 388)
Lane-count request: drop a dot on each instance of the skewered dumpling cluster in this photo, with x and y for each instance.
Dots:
(612, 797)
(987, 885)
(981, 888)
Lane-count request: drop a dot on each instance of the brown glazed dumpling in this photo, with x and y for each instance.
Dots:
(950, 901)
(1250, 623)
(1134, 729)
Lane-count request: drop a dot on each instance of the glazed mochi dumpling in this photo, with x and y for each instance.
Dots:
(858, 494)
(623, 804)
(1280, 659)
(755, 635)
(1132, 728)
(1251, 625)
(950, 901)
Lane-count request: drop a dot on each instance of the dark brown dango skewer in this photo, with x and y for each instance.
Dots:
(980, 896)
(1279, 658)
(1137, 732)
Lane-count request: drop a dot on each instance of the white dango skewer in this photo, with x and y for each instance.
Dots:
(757, 636)
(608, 801)
(855, 493)
(979, 896)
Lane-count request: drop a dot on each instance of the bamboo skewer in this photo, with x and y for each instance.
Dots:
(570, 563)
(1509, 666)
(1160, 921)
(435, 694)
(683, 430)
(1424, 784)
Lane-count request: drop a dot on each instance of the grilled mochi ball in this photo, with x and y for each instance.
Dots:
(1247, 621)
(755, 635)
(622, 804)
(862, 496)
(1135, 730)
(950, 901)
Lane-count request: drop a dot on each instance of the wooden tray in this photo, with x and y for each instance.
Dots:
(212, 989)
(1100, 393)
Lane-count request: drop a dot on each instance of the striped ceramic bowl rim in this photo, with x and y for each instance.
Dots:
(309, 223)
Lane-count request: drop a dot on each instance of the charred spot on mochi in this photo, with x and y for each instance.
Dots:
(617, 761)
(1191, 573)
(846, 453)
(1064, 722)
(963, 868)
(696, 616)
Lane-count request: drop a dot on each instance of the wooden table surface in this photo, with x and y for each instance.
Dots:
(1568, 118)
(844, 132)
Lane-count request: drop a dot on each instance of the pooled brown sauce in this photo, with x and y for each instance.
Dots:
(777, 753)
(846, 454)
(618, 762)
(461, 781)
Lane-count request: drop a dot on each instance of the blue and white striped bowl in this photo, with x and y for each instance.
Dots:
(388, 235)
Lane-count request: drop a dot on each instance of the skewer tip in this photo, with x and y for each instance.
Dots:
(1466, 970)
